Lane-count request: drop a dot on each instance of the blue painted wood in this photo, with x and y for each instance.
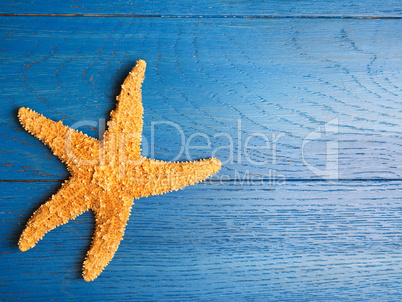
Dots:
(219, 241)
(207, 7)
(283, 80)
(289, 78)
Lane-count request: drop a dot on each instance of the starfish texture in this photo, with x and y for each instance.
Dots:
(106, 175)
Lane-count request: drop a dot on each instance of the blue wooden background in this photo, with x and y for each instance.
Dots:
(273, 224)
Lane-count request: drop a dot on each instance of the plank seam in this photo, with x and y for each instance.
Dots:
(207, 16)
(254, 180)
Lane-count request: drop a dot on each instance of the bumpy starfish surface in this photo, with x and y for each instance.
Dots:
(106, 175)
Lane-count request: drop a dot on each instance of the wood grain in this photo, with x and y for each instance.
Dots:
(283, 80)
(263, 71)
(219, 241)
(208, 8)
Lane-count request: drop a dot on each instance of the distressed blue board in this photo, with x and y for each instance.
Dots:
(289, 71)
(341, 8)
(268, 88)
(219, 241)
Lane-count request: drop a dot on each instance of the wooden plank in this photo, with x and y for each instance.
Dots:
(214, 241)
(268, 84)
(208, 8)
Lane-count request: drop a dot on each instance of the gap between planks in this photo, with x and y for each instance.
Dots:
(207, 16)
(254, 180)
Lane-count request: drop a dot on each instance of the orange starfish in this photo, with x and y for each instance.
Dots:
(105, 175)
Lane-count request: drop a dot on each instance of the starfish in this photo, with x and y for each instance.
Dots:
(106, 175)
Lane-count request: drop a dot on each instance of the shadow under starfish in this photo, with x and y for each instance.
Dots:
(106, 176)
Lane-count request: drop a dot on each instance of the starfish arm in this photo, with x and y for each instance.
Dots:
(69, 202)
(126, 120)
(71, 146)
(155, 177)
(111, 220)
